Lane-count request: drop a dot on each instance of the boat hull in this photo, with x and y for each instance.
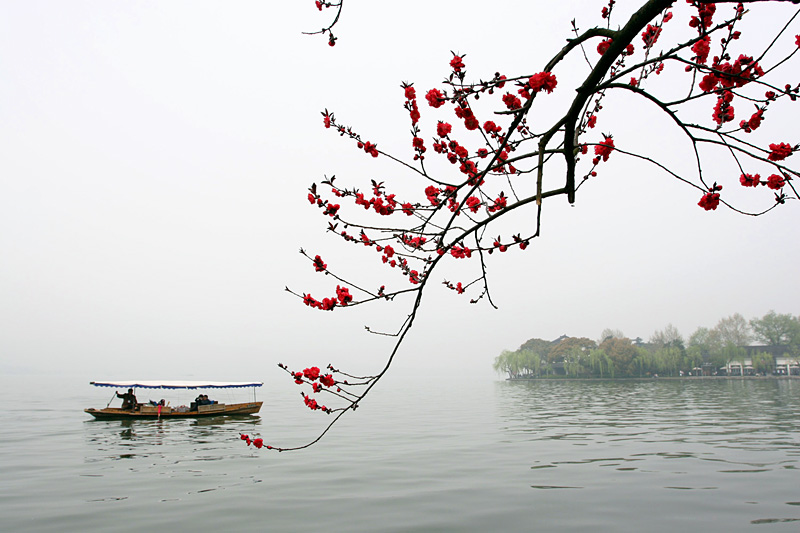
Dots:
(203, 411)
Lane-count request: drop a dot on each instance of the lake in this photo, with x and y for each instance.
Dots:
(420, 455)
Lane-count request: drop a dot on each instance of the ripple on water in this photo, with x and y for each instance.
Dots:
(549, 456)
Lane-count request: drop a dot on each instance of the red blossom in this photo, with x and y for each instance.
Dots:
(414, 242)
(543, 81)
(491, 127)
(606, 12)
(461, 252)
(343, 295)
(708, 83)
(410, 92)
(602, 48)
(319, 265)
(371, 149)
(499, 203)
(702, 48)
(469, 168)
(432, 193)
(592, 121)
(465, 113)
(723, 111)
(327, 380)
(310, 402)
(739, 74)
(779, 151)
(511, 101)
(471, 123)
(775, 182)
(443, 129)
(706, 13)
(650, 35)
(413, 111)
(605, 148)
(753, 123)
(748, 180)
(457, 63)
(435, 98)
(473, 204)
(311, 373)
(709, 201)
(258, 443)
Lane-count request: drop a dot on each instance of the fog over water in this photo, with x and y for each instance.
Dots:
(154, 161)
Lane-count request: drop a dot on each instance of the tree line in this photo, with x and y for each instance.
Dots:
(666, 353)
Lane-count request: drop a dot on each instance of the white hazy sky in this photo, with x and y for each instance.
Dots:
(154, 161)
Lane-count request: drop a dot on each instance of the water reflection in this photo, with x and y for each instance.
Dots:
(709, 433)
(167, 439)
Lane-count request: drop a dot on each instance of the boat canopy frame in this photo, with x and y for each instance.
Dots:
(177, 384)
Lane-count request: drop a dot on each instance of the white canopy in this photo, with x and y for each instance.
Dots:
(176, 384)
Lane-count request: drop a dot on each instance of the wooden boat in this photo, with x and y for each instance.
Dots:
(165, 411)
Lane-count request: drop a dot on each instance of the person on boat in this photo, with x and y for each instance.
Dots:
(198, 402)
(203, 400)
(128, 399)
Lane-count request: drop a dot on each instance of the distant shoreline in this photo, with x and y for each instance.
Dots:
(671, 378)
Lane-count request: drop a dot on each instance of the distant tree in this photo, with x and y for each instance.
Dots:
(621, 352)
(532, 361)
(733, 331)
(609, 333)
(763, 362)
(570, 346)
(693, 359)
(644, 362)
(730, 353)
(776, 330)
(669, 336)
(704, 345)
(539, 346)
(505, 363)
(703, 339)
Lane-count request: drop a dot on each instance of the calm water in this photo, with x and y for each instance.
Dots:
(472, 456)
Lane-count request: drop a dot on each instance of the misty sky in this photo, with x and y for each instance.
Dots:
(154, 164)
